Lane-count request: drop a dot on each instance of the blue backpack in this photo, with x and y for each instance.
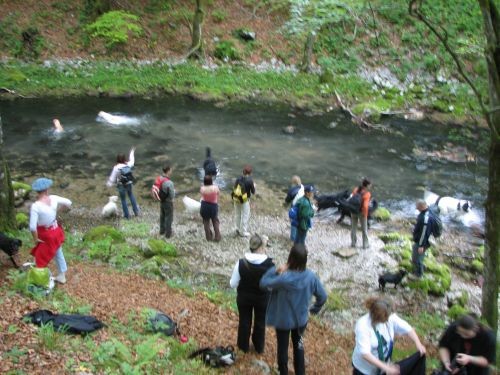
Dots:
(293, 214)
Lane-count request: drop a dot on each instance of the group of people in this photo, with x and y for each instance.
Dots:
(281, 296)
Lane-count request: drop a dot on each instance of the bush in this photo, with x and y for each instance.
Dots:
(219, 15)
(226, 50)
(22, 220)
(114, 27)
(456, 311)
(382, 214)
(161, 248)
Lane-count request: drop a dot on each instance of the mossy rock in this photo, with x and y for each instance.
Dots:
(392, 236)
(406, 254)
(477, 266)
(382, 214)
(22, 220)
(463, 299)
(161, 248)
(102, 232)
(21, 190)
(369, 111)
(480, 252)
(406, 264)
(456, 311)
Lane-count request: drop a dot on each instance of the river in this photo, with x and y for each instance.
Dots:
(327, 150)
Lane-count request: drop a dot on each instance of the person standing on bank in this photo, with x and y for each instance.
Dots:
(167, 195)
(305, 214)
(242, 191)
(209, 209)
(292, 287)
(362, 217)
(421, 234)
(251, 300)
(295, 192)
(469, 345)
(121, 176)
(48, 235)
(374, 333)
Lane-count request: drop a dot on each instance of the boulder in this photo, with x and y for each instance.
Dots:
(346, 253)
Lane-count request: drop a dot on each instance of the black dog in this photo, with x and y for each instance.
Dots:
(344, 211)
(330, 200)
(10, 246)
(391, 278)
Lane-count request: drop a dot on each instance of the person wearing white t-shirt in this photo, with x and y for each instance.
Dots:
(47, 234)
(375, 332)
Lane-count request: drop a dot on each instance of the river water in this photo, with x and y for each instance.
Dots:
(327, 150)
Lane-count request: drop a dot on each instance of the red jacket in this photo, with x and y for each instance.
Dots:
(365, 202)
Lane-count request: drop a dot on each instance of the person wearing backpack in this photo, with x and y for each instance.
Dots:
(421, 234)
(295, 192)
(121, 176)
(251, 300)
(305, 212)
(166, 194)
(242, 191)
(292, 287)
(360, 197)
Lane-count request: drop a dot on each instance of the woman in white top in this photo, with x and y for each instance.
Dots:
(47, 233)
(121, 176)
(375, 333)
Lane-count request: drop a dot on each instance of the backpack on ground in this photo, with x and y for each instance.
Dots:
(216, 357)
(161, 322)
(70, 323)
(126, 177)
(354, 203)
(156, 191)
(239, 193)
(436, 224)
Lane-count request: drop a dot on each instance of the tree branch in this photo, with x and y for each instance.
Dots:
(414, 8)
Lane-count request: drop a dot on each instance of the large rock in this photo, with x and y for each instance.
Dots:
(346, 252)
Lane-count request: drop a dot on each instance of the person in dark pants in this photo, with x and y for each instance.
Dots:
(251, 300)
(421, 234)
(305, 213)
(209, 209)
(292, 287)
(467, 344)
(167, 203)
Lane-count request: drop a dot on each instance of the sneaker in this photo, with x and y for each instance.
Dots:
(61, 278)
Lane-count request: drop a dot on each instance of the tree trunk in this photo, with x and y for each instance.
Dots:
(308, 51)
(489, 307)
(196, 50)
(7, 212)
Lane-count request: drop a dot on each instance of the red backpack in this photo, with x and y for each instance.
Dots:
(156, 191)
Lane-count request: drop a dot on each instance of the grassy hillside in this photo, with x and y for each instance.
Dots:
(401, 62)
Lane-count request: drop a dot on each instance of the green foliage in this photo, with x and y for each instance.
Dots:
(162, 248)
(135, 229)
(226, 50)
(336, 301)
(219, 15)
(114, 28)
(477, 266)
(436, 279)
(456, 311)
(22, 220)
(382, 214)
(102, 232)
(426, 324)
(393, 237)
(32, 44)
(151, 267)
(100, 249)
(14, 354)
(48, 338)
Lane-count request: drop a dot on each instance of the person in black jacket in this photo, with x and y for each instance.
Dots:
(467, 344)
(251, 300)
(421, 234)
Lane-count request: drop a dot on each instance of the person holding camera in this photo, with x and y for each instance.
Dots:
(467, 347)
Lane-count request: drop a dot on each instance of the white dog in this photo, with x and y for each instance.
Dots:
(117, 119)
(192, 206)
(110, 209)
(447, 205)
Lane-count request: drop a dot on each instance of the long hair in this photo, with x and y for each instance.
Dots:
(121, 158)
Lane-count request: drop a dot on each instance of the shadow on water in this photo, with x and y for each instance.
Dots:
(178, 130)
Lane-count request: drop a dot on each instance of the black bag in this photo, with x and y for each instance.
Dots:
(436, 224)
(126, 177)
(70, 323)
(353, 204)
(216, 357)
(161, 322)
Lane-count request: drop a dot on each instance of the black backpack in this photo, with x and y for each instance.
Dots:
(126, 177)
(161, 322)
(70, 323)
(216, 357)
(354, 203)
(436, 224)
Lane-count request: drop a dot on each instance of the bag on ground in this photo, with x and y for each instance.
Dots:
(161, 322)
(215, 357)
(68, 323)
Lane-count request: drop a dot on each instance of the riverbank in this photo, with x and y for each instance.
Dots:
(273, 82)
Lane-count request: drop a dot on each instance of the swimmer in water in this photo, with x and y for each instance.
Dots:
(58, 128)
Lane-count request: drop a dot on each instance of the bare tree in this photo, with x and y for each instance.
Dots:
(491, 23)
(196, 50)
(7, 213)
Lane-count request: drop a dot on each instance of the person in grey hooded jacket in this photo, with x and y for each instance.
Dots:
(292, 287)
